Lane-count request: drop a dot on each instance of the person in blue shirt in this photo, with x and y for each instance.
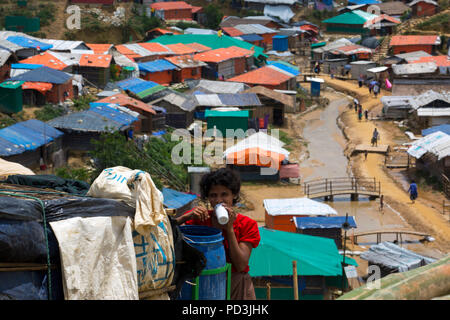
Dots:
(413, 191)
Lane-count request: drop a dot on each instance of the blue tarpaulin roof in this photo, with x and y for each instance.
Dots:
(26, 66)
(85, 121)
(443, 127)
(156, 66)
(8, 148)
(29, 43)
(284, 67)
(137, 85)
(176, 199)
(251, 37)
(112, 113)
(322, 222)
(43, 74)
(29, 136)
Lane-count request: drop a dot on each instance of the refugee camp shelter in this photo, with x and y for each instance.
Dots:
(391, 258)
(445, 128)
(159, 71)
(148, 119)
(6, 59)
(273, 105)
(382, 25)
(225, 63)
(140, 89)
(156, 32)
(326, 227)
(432, 154)
(12, 96)
(319, 265)
(280, 213)
(360, 68)
(257, 157)
(349, 22)
(172, 10)
(431, 108)
(280, 43)
(180, 201)
(411, 43)
(81, 127)
(100, 48)
(179, 109)
(396, 107)
(188, 68)
(28, 141)
(268, 76)
(423, 8)
(219, 121)
(95, 68)
(45, 85)
(142, 52)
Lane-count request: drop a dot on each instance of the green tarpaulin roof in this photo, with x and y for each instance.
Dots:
(353, 17)
(318, 44)
(315, 256)
(210, 40)
(234, 114)
(11, 84)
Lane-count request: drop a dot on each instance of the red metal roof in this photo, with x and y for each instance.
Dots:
(46, 59)
(180, 48)
(222, 54)
(413, 40)
(441, 61)
(96, 60)
(196, 9)
(124, 100)
(127, 52)
(171, 5)
(99, 48)
(264, 75)
(232, 32)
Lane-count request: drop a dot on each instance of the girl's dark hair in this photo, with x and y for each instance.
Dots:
(223, 177)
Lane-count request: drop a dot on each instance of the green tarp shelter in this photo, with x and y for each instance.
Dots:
(349, 22)
(224, 120)
(210, 40)
(11, 96)
(315, 256)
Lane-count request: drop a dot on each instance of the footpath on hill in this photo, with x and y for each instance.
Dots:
(426, 213)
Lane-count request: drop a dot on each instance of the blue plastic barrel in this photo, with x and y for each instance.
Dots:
(209, 241)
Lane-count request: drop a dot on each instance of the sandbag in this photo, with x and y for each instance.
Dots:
(152, 235)
(97, 257)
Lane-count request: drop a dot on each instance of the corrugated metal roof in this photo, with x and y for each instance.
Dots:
(433, 112)
(282, 12)
(170, 5)
(228, 100)
(415, 68)
(437, 143)
(412, 56)
(221, 86)
(253, 29)
(100, 48)
(378, 21)
(185, 61)
(85, 121)
(397, 101)
(124, 100)
(266, 75)
(441, 61)
(400, 40)
(43, 74)
(223, 54)
(277, 96)
(428, 97)
(232, 32)
(46, 59)
(199, 31)
(297, 206)
(65, 45)
(156, 66)
(412, 3)
(95, 60)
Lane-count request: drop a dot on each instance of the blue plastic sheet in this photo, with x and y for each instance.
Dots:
(176, 199)
(322, 222)
(29, 43)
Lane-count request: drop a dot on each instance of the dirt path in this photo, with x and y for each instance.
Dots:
(424, 214)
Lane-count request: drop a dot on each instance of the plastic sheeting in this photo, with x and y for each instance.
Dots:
(297, 206)
(437, 143)
(176, 199)
(282, 12)
(394, 257)
(29, 43)
(322, 222)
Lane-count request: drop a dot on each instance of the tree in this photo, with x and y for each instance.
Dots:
(213, 16)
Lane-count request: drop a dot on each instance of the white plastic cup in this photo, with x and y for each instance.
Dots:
(221, 213)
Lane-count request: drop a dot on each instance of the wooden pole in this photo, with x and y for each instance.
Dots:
(295, 279)
(268, 290)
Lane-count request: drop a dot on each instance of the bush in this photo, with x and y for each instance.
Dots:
(82, 102)
(81, 174)
(48, 112)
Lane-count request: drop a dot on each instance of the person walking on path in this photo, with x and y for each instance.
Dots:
(376, 89)
(356, 102)
(360, 81)
(375, 137)
(370, 88)
(366, 114)
(381, 203)
(359, 113)
(413, 191)
(365, 154)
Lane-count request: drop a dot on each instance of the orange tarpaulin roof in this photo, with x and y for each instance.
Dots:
(46, 59)
(42, 87)
(99, 48)
(95, 60)
(256, 157)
